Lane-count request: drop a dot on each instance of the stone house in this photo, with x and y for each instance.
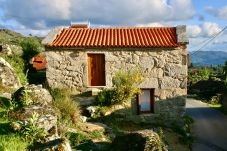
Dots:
(84, 57)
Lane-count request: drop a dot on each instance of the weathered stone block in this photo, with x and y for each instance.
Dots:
(169, 83)
(149, 83)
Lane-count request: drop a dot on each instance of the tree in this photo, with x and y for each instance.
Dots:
(31, 47)
(225, 69)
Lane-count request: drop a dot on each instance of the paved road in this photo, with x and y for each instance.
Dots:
(209, 127)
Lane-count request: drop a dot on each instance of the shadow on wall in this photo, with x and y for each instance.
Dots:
(166, 112)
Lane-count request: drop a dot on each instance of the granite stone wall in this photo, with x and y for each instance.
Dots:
(164, 69)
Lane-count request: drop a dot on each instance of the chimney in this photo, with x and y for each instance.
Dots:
(80, 24)
(182, 37)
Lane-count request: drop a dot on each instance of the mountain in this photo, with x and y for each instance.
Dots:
(208, 57)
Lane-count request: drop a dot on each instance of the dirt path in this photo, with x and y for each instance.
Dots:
(209, 128)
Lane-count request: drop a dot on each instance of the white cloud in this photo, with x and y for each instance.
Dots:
(39, 14)
(210, 29)
(220, 13)
(207, 29)
(194, 30)
(154, 24)
(34, 13)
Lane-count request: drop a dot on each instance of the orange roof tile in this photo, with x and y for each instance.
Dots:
(116, 37)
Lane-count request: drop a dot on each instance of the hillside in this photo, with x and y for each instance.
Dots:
(208, 57)
(10, 37)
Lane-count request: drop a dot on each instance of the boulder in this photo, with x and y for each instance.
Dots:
(34, 94)
(145, 140)
(91, 110)
(8, 76)
(6, 50)
(40, 95)
(60, 144)
(90, 127)
(47, 118)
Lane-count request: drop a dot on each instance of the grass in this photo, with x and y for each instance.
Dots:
(9, 141)
(219, 107)
(18, 65)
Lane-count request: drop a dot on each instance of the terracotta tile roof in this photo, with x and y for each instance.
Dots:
(116, 37)
(39, 62)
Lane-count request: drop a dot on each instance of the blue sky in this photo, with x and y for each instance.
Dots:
(204, 18)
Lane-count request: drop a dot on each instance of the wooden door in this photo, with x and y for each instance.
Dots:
(146, 101)
(96, 70)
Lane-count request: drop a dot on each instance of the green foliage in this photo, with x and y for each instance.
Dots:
(31, 47)
(18, 65)
(67, 107)
(9, 141)
(225, 69)
(31, 131)
(201, 74)
(106, 97)
(186, 137)
(21, 98)
(215, 100)
(10, 37)
(125, 87)
(125, 84)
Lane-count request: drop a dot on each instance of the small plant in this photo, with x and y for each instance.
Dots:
(65, 105)
(21, 98)
(215, 100)
(31, 131)
(106, 97)
(125, 85)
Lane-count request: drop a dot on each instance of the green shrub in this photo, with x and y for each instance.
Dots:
(215, 100)
(31, 131)
(21, 98)
(126, 84)
(67, 107)
(31, 47)
(125, 87)
(106, 97)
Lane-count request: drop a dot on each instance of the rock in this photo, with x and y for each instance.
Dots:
(60, 144)
(176, 71)
(83, 119)
(40, 95)
(8, 76)
(6, 50)
(16, 126)
(85, 101)
(91, 110)
(90, 127)
(47, 118)
(169, 83)
(145, 140)
(149, 83)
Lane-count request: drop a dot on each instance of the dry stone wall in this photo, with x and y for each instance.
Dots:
(163, 68)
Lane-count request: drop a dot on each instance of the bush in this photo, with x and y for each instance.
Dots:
(31, 131)
(125, 87)
(21, 98)
(215, 100)
(67, 107)
(31, 47)
(106, 97)
(125, 84)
